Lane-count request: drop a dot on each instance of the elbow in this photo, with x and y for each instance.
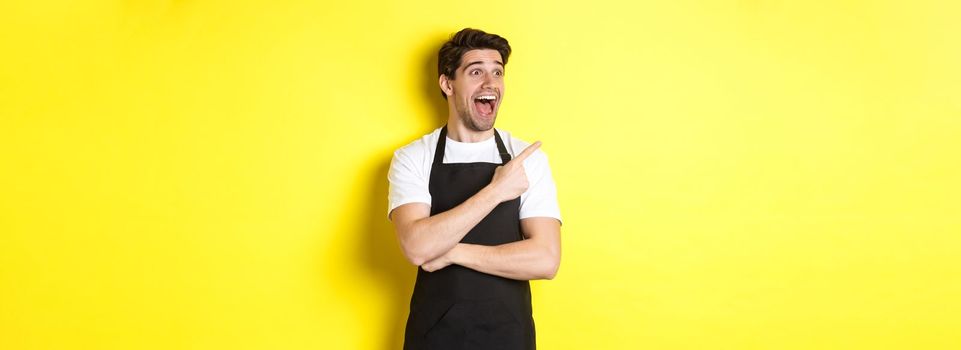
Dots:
(416, 254)
(551, 264)
(414, 260)
(412, 249)
(417, 260)
(550, 272)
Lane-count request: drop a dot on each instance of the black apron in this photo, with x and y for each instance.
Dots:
(459, 308)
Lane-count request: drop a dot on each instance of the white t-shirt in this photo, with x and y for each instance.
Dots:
(409, 173)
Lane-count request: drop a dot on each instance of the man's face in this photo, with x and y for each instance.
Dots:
(478, 89)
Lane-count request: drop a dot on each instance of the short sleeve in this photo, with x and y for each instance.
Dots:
(408, 182)
(540, 199)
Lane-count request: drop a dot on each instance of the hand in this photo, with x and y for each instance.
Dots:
(510, 180)
(439, 262)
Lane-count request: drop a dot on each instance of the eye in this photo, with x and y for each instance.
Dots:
(498, 73)
(475, 72)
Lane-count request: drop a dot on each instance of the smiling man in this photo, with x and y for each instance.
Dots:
(475, 209)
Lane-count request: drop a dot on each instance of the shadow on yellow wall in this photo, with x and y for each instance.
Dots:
(376, 244)
(381, 257)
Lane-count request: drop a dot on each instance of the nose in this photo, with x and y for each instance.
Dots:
(488, 80)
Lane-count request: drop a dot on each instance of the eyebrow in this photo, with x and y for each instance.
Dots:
(479, 62)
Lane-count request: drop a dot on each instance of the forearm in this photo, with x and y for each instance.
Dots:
(433, 236)
(527, 259)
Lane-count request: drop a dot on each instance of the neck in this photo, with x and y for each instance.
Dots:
(457, 131)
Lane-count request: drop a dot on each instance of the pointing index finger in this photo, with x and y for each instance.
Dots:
(527, 151)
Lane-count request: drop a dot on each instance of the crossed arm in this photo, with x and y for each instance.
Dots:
(536, 257)
(432, 242)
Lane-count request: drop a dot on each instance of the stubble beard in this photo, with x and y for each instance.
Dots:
(475, 124)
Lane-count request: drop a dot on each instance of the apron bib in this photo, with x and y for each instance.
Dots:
(459, 308)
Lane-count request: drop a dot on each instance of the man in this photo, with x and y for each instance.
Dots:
(476, 209)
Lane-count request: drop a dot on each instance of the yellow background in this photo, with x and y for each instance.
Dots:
(732, 174)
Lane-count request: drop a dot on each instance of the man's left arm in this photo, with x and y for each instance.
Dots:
(536, 257)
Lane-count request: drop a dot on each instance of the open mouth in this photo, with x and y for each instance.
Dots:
(485, 104)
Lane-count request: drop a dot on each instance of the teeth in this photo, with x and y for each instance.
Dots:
(487, 97)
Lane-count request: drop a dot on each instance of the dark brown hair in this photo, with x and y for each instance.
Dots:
(449, 56)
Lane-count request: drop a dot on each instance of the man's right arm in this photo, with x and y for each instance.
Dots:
(424, 237)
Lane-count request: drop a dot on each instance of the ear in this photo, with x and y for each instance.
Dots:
(445, 85)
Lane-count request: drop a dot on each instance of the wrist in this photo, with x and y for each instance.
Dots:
(491, 193)
(457, 254)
